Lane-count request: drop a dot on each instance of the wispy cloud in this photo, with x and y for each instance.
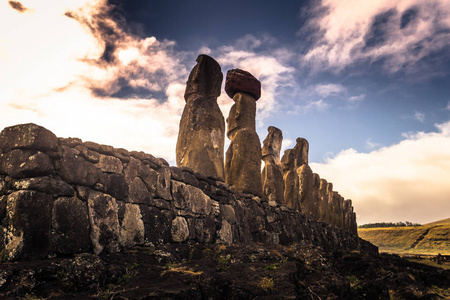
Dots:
(370, 145)
(419, 116)
(400, 34)
(405, 181)
(309, 106)
(326, 90)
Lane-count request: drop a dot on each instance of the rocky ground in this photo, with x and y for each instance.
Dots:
(181, 271)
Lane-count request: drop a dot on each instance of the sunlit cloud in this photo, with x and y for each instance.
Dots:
(87, 77)
(405, 181)
(372, 145)
(398, 33)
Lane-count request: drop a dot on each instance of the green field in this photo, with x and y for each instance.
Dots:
(429, 239)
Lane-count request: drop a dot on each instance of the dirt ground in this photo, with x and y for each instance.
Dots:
(182, 271)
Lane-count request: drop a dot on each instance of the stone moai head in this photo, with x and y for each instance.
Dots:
(245, 90)
(272, 144)
(348, 205)
(301, 150)
(288, 160)
(205, 79)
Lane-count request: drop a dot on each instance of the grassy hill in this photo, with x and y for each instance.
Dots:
(432, 238)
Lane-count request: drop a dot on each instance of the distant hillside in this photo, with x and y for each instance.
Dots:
(432, 238)
(445, 221)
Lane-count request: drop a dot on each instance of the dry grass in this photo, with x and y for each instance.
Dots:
(428, 239)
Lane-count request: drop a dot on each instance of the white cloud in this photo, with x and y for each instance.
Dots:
(406, 181)
(372, 145)
(55, 74)
(309, 106)
(419, 116)
(400, 32)
(448, 106)
(356, 99)
(326, 90)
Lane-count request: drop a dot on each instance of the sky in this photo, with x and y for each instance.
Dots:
(366, 82)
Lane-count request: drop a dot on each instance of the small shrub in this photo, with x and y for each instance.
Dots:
(267, 284)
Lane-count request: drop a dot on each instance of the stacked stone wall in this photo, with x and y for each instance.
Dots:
(60, 196)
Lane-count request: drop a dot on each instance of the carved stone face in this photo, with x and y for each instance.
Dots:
(242, 114)
(288, 161)
(232, 122)
(272, 143)
(205, 79)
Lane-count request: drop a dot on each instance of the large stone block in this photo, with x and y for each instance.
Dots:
(71, 228)
(74, 169)
(45, 184)
(103, 217)
(180, 229)
(25, 163)
(27, 136)
(27, 225)
(157, 224)
(110, 164)
(132, 231)
(138, 192)
(190, 198)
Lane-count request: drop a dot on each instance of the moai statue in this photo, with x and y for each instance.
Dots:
(329, 198)
(315, 214)
(348, 215)
(272, 173)
(290, 178)
(323, 206)
(243, 157)
(354, 225)
(202, 127)
(305, 176)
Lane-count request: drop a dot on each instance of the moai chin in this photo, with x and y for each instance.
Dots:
(272, 174)
(202, 126)
(243, 157)
(290, 178)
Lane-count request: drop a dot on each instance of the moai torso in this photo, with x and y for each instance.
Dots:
(316, 197)
(323, 204)
(202, 127)
(243, 157)
(290, 178)
(305, 177)
(272, 174)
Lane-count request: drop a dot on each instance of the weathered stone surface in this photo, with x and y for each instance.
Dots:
(103, 218)
(227, 213)
(272, 174)
(163, 187)
(25, 163)
(180, 229)
(88, 155)
(301, 151)
(110, 164)
(202, 127)
(138, 192)
(45, 184)
(76, 170)
(27, 136)
(225, 233)
(132, 231)
(323, 206)
(291, 181)
(306, 182)
(114, 185)
(240, 81)
(190, 198)
(70, 226)
(157, 224)
(243, 157)
(27, 225)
